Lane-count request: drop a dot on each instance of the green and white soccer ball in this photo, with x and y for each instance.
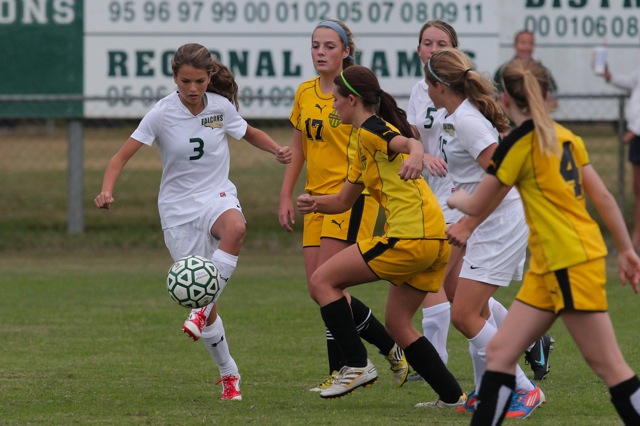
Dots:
(193, 281)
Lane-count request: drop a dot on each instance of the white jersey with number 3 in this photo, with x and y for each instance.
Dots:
(194, 152)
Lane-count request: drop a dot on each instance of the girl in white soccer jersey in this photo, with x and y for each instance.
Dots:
(495, 245)
(199, 209)
(421, 113)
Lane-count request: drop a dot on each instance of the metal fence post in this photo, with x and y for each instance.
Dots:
(621, 157)
(75, 173)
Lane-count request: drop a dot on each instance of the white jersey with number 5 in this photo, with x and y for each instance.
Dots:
(194, 152)
(428, 120)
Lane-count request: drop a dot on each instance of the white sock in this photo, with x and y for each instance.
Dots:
(497, 314)
(522, 381)
(478, 351)
(435, 325)
(498, 310)
(216, 343)
(226, 264)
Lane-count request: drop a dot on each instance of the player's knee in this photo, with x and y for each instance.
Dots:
(460, 320)
(235, 231)
(315, 286)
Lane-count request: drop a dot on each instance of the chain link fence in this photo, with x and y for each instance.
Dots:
(52, 169)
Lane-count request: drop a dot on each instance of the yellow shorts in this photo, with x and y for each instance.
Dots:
(355, 224)
(419, 263)
(579, 287)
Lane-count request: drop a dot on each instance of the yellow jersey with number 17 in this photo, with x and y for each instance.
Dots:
(562, 233)
(328, 145)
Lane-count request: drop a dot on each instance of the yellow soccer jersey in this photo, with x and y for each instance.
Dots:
(327, 144)
(411, 209)
(562, 233)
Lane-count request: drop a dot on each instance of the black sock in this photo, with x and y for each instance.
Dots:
(494, 397)
(338, 319)
(424, 359)
(369, 328)
(336, 360)
(623, 395)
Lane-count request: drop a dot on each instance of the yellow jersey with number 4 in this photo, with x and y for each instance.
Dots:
(562, 233)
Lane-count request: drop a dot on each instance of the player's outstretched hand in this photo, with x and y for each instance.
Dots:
(104, 200)
(283, 155)
(629, 269)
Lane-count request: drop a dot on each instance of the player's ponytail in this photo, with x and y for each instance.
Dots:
(453, 68)
(527, 83)
(223, 83)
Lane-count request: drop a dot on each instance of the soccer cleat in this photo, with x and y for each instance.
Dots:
(415, 377)
(230, 388)
(399, 365)
(524, 402)
(469, 405)
(538, 357)
(194, 324)
(441, 404)
(328, 381)
(349, 379)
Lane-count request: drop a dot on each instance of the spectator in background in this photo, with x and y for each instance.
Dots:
(524, 44)
(631, 82)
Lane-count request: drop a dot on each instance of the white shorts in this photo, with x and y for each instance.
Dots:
(194, 238)
(497, 249)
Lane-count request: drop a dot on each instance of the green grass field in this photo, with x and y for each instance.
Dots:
(89, 335)
(95, 339)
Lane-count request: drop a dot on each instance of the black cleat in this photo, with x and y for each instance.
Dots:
(538, 357)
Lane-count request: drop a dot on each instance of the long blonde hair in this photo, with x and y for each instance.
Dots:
(526, 81)
(453, 68)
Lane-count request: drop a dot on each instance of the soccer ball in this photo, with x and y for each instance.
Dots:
(193, 281)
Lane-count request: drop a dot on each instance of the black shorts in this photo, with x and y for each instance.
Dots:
(634, 150)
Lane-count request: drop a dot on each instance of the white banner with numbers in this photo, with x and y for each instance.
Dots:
(128, 44)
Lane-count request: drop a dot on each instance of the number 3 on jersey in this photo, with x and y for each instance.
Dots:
(198, 149)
